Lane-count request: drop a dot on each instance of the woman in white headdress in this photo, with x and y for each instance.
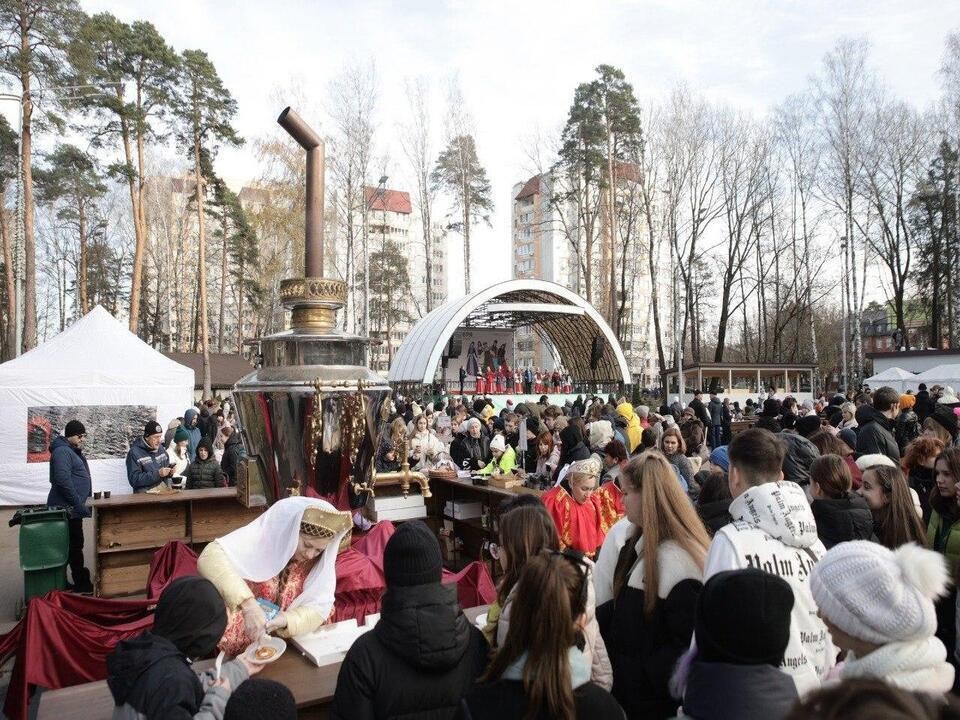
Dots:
(287, 557)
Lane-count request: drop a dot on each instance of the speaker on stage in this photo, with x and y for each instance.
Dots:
(596, 352)
(456, 346)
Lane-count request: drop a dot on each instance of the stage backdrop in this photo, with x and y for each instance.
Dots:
(98, 372)
(480, 349)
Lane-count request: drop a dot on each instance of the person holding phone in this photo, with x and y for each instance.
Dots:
(148, 462)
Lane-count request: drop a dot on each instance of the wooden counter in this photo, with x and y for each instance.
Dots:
(312, 687)
(474, 531)
(129, 529)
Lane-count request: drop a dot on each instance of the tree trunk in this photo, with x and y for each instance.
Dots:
(11, 329)
(29, 241)
(202, 269)
(612, 236)
(806, 262)
(136, 278)
(82, 271)
(241, 275)
(427, 234)
(466, 233)
(223, 283)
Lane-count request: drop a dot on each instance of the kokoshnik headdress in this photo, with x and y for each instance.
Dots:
(320, 523)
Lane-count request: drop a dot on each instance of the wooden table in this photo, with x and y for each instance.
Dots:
(129, 529)
(312, 687)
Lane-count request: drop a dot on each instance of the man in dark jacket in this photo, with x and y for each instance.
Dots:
(423, 655)
(148, 463)
(875, 436)
(699, 409)
(70, 486)
(716, 421)
(922, 407)
(232, 453)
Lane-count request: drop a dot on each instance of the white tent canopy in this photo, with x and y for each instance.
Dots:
(941, 375)
(896, 378)
(94, 362)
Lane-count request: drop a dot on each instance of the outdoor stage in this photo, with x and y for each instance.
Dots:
(470, 332)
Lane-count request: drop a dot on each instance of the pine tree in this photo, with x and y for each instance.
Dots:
(33, 55)
(72, 183)
(389, 290)
(135, 71)
(205, 110)
(601, 134)
(458, 171)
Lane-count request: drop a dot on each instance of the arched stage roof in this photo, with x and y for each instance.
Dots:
(554, 312)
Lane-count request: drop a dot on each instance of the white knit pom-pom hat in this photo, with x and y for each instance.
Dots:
(879, 595)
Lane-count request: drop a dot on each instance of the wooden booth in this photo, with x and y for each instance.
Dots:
(129, 529)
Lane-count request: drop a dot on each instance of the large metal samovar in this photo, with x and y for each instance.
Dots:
(310, 415)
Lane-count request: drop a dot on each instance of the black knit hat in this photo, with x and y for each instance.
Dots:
(743, 618)
(808, 425)
(258, 698)
(74, 427)
(944, 416)
(412, 556)
(152, 428)
(788, 421)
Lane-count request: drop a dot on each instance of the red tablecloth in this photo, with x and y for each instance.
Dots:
(64, 639)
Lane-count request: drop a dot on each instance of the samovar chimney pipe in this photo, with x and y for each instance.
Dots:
(305, 136)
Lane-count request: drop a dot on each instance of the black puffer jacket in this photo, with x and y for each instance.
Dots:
(876, 437)
(799, 457)
(204, 474)
(470, 453)
(418, 662)
(906, 429)
(842, 519)
(738, 692)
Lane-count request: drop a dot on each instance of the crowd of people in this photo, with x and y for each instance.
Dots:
(800, 564)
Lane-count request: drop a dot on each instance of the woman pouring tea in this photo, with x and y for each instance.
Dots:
(286, 559)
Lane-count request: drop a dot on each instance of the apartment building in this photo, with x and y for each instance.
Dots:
(541, 228)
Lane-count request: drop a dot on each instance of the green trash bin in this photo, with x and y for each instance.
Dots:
(44, 550)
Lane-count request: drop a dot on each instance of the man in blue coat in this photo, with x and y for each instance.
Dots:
(70, 486)
(148, 463)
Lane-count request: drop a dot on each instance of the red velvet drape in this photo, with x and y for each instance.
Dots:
(64, 639)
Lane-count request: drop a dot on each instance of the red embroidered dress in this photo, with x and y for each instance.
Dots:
(281, 590)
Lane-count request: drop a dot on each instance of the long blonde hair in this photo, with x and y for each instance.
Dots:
(665, 514)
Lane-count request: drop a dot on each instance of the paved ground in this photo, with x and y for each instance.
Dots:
(11, 577)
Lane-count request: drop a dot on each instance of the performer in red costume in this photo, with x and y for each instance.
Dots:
(481, 385)
(576, 510)
(491, 381)
(501, 381)
(537, 382)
